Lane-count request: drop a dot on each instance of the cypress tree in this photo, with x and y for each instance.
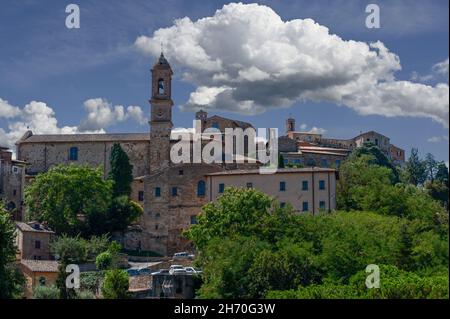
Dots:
(121, 171)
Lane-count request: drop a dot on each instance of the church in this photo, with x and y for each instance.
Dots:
(172, 194)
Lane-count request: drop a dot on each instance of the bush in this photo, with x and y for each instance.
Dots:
(115, 284)
(46, 292)
(85, 294)
(103, 261)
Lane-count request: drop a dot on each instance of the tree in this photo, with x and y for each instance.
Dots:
(10, 278)
(115, 284)
(431, 166)
(122, 213)
(415, 168)
(280, 161)
(103, 261)
(442, 173)
(72, 199)
(377, 157)
(121, 172)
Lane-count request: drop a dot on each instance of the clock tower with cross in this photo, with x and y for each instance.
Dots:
(161, 114)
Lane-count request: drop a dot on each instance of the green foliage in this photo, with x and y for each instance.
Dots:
(72, 199)
(415, 168)
(121, 172)
(122, 213)
(74, 250)
(376, 157)
(115, 284)
(365, 186)
(394, 284)
(247, 246)
(84, 294)
(103, 261)
(91, 280)
(280, 161)
(46, 292)
(10, 278)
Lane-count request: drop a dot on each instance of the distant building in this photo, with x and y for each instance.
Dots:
(33, 241)
(38, 273)
(308, 149)
(305, 189)
(12, 182)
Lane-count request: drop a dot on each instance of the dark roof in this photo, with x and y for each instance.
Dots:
(279, 171)
(33, 227)
(40, 265)
(78, 138)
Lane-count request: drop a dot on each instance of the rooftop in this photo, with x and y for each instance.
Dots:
(279, 171)
(77, 138)
(40, 265)
(33, 227)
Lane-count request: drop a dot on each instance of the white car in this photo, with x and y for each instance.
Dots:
(174, 268)
(192, 270)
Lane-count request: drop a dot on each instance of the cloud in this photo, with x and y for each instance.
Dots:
(439, 72)
(317, 130)
(438, 139)
(7, 110)
(41, 119)
(102, 114)
(246, 59)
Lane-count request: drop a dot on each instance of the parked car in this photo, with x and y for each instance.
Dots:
(183, 255)
(161, 272)
(192, 270)
(144, 271)
(178, 271)
(175, 267)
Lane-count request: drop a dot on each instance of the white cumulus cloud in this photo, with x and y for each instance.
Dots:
(246, 59)
(7, 110)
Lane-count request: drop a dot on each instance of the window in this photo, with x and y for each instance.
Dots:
(297, 161)
(337, 163)
(180, 172)
(37, 244)
(221, 187)
(249, 185)
(286, 161)
(73, 154)
(322, 185)
(216, 125)
(42, 281)
(157, 191)
(201, 188)
(322, 204)
(282, 204)
(14, 192)
(305, 206)
(282, 186)
(324, 162)
(311, 162)
(160, 86)
(174, 191)
(376, 141)
(141, 196)
(194, 220)
(304, 185)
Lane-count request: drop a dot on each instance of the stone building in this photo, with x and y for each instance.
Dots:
(305, 189)
(33, 241)
(312, 149)
(38, 273)
(172, 194)
(12, 181)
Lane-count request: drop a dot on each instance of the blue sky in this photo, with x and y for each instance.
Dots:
(41, 60)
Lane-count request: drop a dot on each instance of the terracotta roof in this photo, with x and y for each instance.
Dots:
(279, 171)
(78, 138)
(40, 265)
(33, 227)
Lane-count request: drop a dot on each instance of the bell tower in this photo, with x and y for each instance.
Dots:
(161, 114)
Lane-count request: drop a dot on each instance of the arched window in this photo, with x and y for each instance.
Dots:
(161, 88)
(42, 281)
(201, 188)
